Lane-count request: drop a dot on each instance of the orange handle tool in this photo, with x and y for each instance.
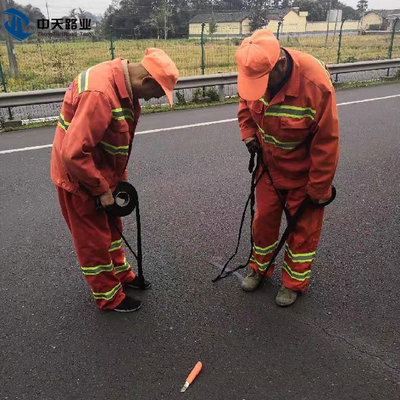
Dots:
(191, 377)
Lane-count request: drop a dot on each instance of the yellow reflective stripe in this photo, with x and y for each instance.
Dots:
(291, 112)
(323, 65)
(122, 113)
(115, 150)
(262, 251)
(122, 268)
(62, 123)
(299, 257)
(98, 269)
(298, 276)
(271, 140)
(107, 295)
(83, 81)
(261, 266)
(295, 108)
(115, 245)
(264, 101)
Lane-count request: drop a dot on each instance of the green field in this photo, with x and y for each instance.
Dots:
(49, 65)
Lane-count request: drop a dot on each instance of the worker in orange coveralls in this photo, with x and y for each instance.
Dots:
(288, 107)
(92, 145)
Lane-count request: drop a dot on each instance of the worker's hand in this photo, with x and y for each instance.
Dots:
(252, 144)
(106, 199)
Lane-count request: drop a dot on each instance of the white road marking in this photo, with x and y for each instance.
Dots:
(174, 128)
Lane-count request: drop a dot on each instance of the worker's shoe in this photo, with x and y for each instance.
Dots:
(251, 282)
(285, 297)
(135, 284)
(128, 304)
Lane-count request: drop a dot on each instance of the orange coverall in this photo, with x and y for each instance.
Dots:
(91, 148)
(298, 131)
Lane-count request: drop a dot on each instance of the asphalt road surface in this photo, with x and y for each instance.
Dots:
(339, 341)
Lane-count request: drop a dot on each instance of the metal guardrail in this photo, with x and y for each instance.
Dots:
(47, 96)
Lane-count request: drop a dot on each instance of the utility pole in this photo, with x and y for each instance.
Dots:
(165, 20)
(48, 15)
(327, 23)
(12, 60)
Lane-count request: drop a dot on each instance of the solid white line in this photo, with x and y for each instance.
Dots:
(368, 100)
(174, 128)
(25, 149)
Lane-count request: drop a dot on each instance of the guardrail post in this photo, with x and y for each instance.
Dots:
(221, 92)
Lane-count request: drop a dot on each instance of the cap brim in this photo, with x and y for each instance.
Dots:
(168, 93)
(252, 89)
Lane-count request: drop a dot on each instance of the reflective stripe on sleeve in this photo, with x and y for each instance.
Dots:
(115, 150)
(122, 113)
(83, 81)
(62, 123)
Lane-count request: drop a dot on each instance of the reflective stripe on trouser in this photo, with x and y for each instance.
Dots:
(121, 267)
(302, 243)
(92, 235)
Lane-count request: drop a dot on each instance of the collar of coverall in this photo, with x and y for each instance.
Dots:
(128, 83)
(119, 79)
(292, 88)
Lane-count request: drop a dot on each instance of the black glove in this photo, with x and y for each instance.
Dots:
(253, 146)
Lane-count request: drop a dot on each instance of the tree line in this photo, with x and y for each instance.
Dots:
(170, 18)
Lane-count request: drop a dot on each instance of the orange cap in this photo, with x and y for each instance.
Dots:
(162, 69)
(255, 58)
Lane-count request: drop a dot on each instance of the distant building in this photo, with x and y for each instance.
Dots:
(228, 24)
(293, 21)
(380, 20)
(288, 20)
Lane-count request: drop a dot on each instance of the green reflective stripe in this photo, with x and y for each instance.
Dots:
(263, 251)
(62, 123)
(323, 65)
(300, 257)
(261, 266)
(122, 268)
(291, 111)
(264, 101)
(115, 150)
(122, 113)
(271, 140)
(107, 295)
(115, 245)
(83, 81)
(298, 276)
(98, 269)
